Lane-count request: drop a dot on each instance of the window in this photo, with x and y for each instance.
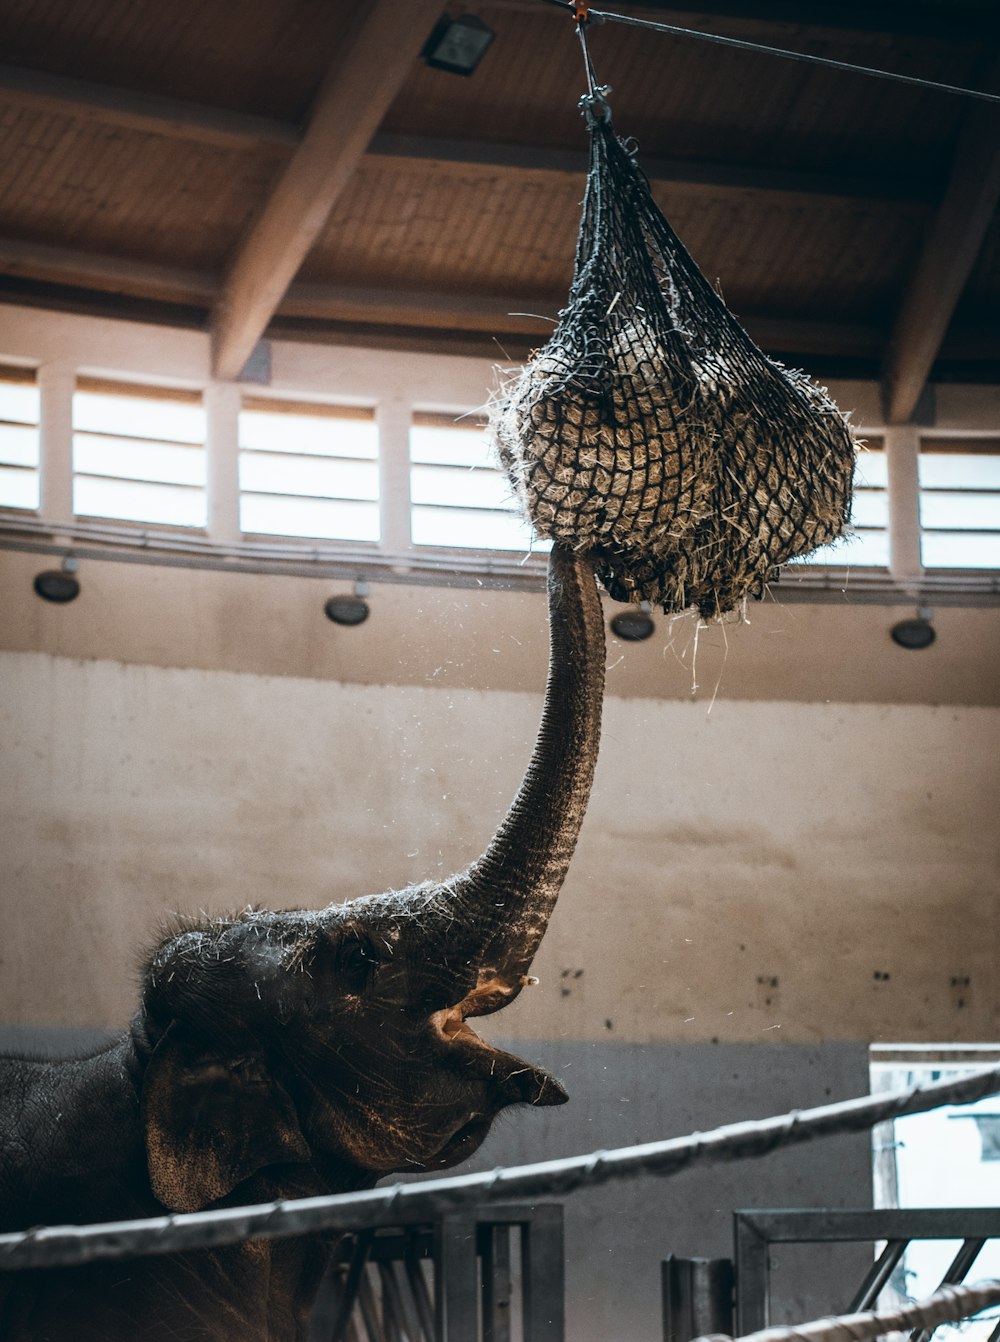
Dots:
(947, 1157)
(138, 454)
(866, 545)
(308, 470)
(19, 473)
(960, 502)
(459, 498)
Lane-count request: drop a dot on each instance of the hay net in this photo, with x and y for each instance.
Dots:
(649, 427)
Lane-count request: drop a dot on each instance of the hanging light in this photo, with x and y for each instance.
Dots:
(349, 608)
(458, 45)
(916, 633)
(634, 624)
(59, 585)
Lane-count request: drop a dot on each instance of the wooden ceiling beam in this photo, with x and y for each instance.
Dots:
(534, 316)
(422, 154)
(352, 102)
(485, 314)
(176, 119)
(951, 247)
(145, 112)
(110, 274)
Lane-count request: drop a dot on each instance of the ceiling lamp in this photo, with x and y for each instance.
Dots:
(458, 45)
(349, 609)
(59, 585)
(916, 633)
(634, 624)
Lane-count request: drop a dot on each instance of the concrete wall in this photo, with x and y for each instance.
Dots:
(848, 852)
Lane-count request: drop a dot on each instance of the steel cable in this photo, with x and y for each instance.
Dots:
(948, 1304)
(63, 1246)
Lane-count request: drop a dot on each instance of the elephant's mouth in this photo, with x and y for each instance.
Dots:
(510, 1080)
(463, 1142)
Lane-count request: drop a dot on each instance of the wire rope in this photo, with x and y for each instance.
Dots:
(742, 44)
(64, 1246)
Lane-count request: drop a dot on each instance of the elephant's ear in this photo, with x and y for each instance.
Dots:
(211, 1121)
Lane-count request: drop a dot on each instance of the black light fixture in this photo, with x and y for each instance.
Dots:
(458, 45)
(916, 633)
(633, 625)
(59, 585)
(349, 609)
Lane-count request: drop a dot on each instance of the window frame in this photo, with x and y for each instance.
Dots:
(310, 409)
(18, 376)
(152, 392)
(939, 443)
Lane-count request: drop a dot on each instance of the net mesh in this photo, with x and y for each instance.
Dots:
(650, 429)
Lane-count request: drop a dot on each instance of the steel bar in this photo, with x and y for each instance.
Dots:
(351, 1285)
(836, 1225)
(880, 1272)
(697, 1297)
(496, 1265)
(455, 1278)
(958, 1270)
(543, 1266)
(52, 1246)
(418, 1287)
(947, 1305)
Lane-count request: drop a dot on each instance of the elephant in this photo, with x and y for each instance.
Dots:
(283, 1054)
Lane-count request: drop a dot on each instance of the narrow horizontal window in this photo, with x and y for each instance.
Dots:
(866, 544)
(459, 498)
(138, 501)
(959, 482)
(139, 454)
(308, 470)
(20, 479)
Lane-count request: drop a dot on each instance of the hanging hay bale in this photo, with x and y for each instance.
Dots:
(651, 429)
(605, 461)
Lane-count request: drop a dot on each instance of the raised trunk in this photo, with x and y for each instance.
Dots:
(509, 893)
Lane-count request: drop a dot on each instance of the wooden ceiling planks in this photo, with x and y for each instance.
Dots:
(804, 191)
(261, 56)
(125, 193)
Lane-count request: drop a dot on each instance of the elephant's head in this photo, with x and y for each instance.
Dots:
(339, 1037)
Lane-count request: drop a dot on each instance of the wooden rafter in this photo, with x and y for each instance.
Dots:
(951, 247)
(352, 102)
(176, 119)
(145, 112)
(486, 314)
(418, 153)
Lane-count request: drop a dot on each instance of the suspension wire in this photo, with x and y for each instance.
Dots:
(948, 1304)
(69, 1246)
(605, 16)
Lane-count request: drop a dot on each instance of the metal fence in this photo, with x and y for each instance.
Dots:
(494, 1274)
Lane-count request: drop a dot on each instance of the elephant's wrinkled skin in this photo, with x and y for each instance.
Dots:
(287, 1054)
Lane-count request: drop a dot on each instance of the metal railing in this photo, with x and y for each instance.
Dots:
(724, 1297)
(64, 1246)
(493, 1273)
(755, 1232)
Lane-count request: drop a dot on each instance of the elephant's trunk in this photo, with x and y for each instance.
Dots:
(507, 896)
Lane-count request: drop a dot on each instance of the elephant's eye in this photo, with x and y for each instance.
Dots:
(356, 963)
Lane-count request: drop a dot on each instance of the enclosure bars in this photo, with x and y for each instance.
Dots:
(500, 1267)
(65, 1246)
(756, 1232)
(947, 1305)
